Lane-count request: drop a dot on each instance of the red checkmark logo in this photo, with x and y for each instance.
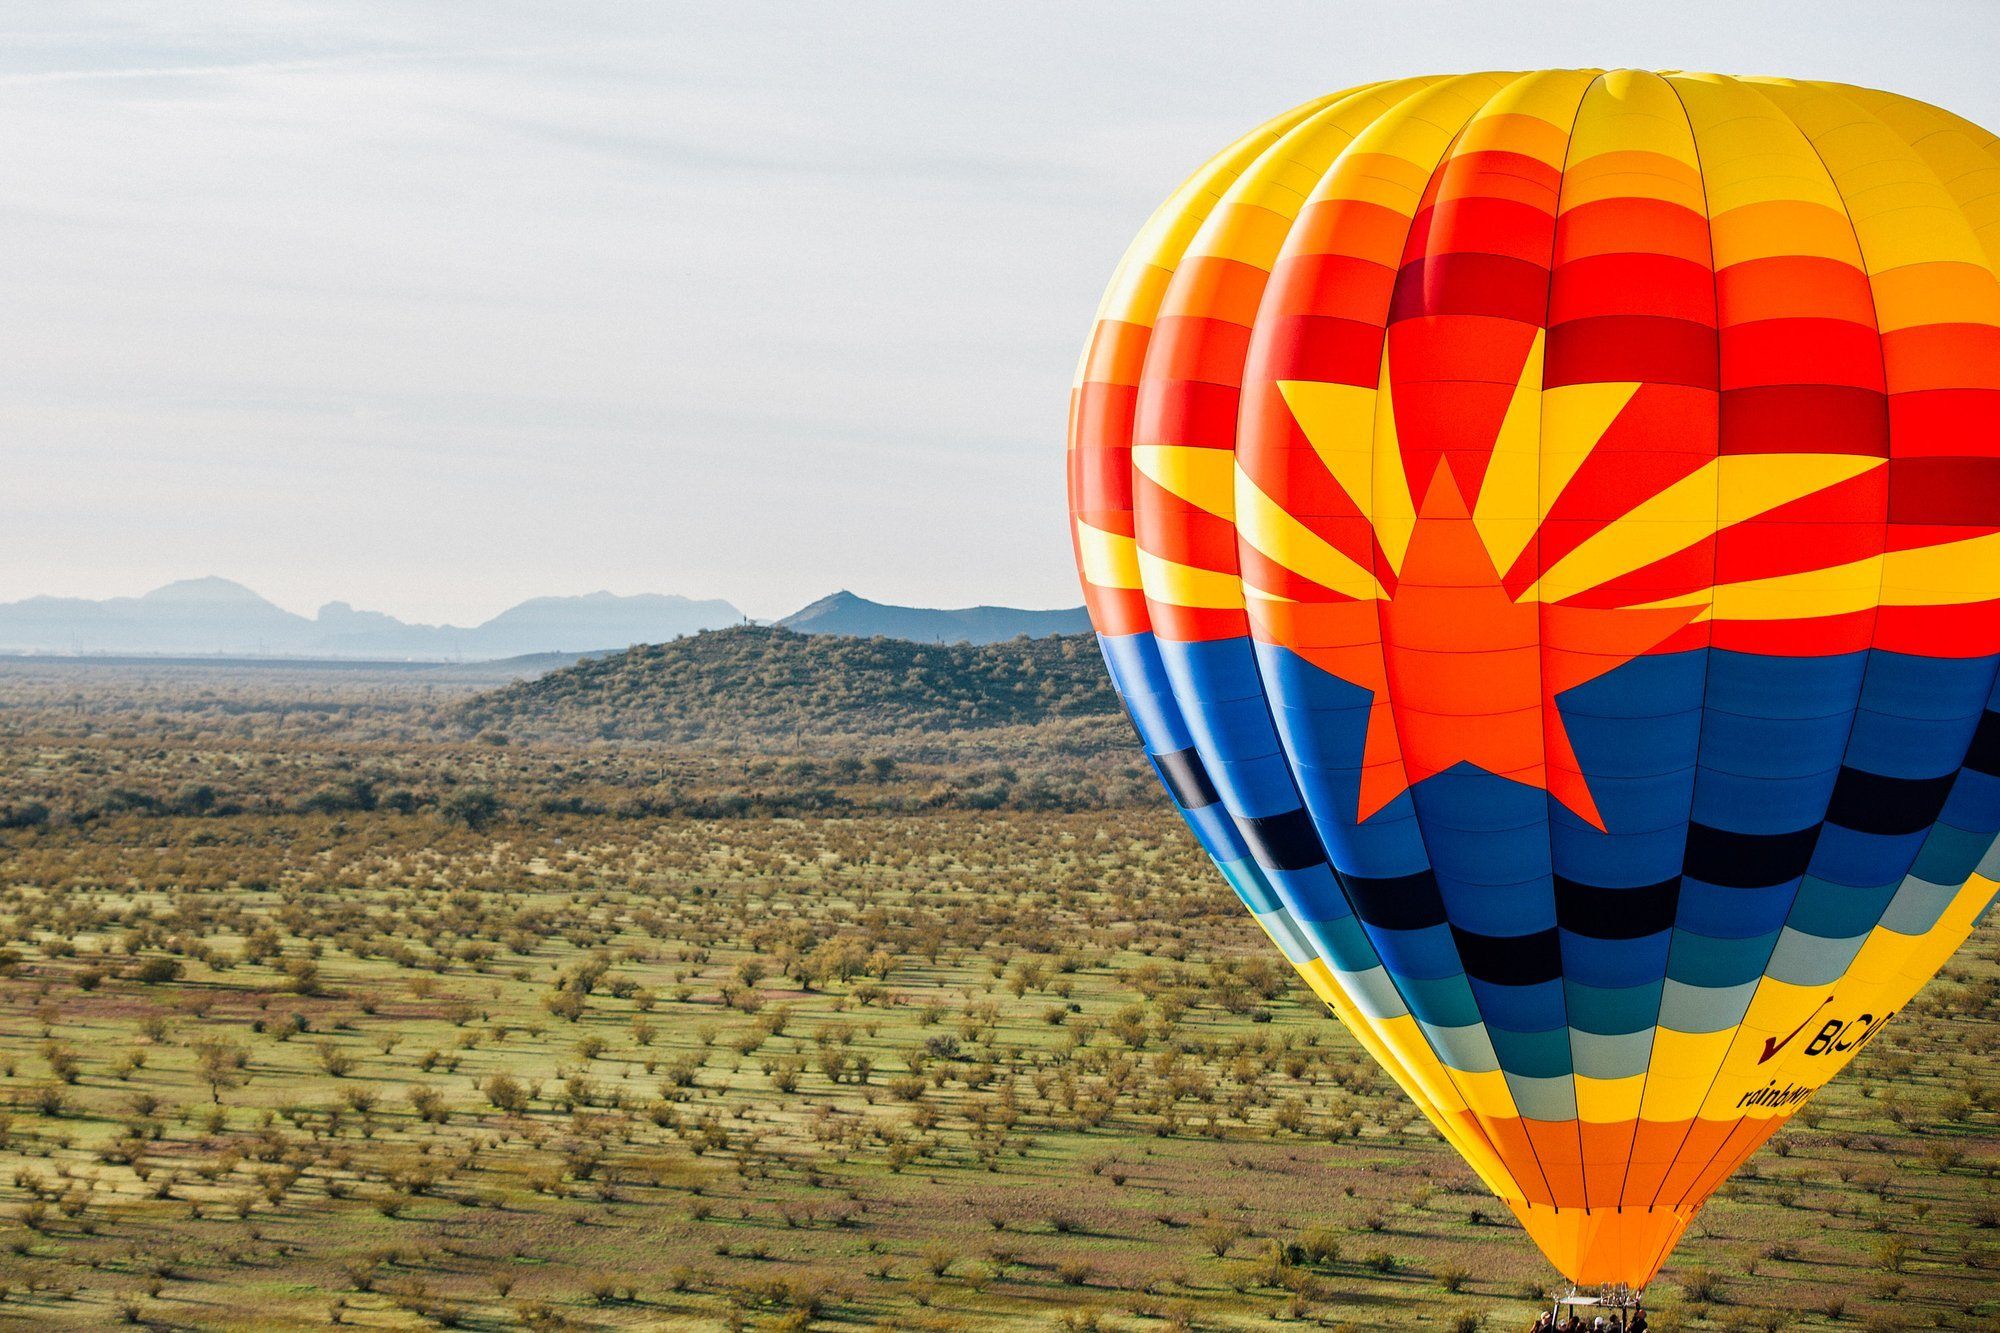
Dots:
(1773, 1045)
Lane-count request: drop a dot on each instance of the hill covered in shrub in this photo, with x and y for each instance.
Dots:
(765, 687)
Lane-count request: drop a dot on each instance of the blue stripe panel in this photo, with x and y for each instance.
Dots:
(1838, 911)
(1709, 962)
(1532, 1054)
(1950, 854)
(1536, 1008)
(1612, 963)
(1760, 814)
(1249, 885)
(1733, 913)
(1843, 856)
(1610, 1010)
(1141, 682)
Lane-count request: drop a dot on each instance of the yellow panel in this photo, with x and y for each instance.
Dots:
(1109, 559)
(1508, 509)
(1267, 528)
(1574, 419)
(1543, 440)
(1682, 1066)
(1339, 422)
(1781, 228)
(1953, 572)
(1750, 152)
(1353, 431)
(1391, 160)
(1609, 1101)
(1486, 1092)
(1632, 111)
(1964, 157)
(1185, 585)
(1205, 478)
(1387, 181)
(1247, 233)
(1835, 591)
(1936, 294)
(1948, 574)
(1531, 116)
(1395, 513)
(1722, 492)
(1628, 175)
(1901, 214)
(1674, 1096)
(1403, 1036)
(1280, 181)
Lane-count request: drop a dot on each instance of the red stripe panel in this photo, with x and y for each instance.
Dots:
(1307, 347)
(1943, 356)
(1805, 419)
(1117, 351)
(1215, 288)
(1349, 227)
(1190, 348)
(1104, 413)
(1104, 487)
(1631, 347)
(1175, 530)
(1492, 202)
(1116, 610)
(1184, 412)
(1819, 636)
(1946, 421)
(1616, 226)
(1801, 351)
(1751, 551)
(1459, 349)
(1191, 624)
(1471, 284)
(1940, 631)
(1343, 286)
(1916, 536)
(1945, 490)
(1632, 284)
(1794, 287)
(1469, 223)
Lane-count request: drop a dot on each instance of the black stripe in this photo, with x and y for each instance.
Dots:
(1407, 902)
(1984, 756)
(1283, 842)
(1616, 914)
(1871, 803)
(1510, 960)
(1186, 778)
(1747, 860)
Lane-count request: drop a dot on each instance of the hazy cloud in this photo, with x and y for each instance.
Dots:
(435, 307)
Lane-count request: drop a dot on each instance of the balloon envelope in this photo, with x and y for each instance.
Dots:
(1546, 530)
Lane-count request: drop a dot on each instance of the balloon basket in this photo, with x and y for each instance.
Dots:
(1612, 1298)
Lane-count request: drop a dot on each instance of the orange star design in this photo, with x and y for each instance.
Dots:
(1466, 667)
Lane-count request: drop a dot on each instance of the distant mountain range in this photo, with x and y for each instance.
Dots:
(218, 617)
(214, 616)
(845, 613)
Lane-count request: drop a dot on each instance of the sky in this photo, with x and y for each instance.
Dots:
(432, 308)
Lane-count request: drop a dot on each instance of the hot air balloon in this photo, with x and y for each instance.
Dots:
(1545, 528)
